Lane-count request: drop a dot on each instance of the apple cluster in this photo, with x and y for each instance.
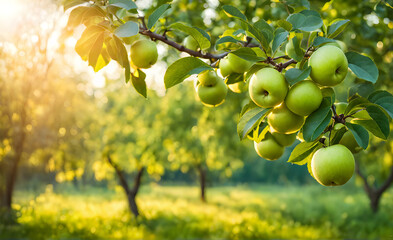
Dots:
(290, 106)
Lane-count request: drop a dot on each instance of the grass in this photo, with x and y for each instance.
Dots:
(175, 212)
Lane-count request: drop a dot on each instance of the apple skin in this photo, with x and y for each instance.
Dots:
(208, 78)
(268, 148)
(333, 165)
(304, 98)
(268, 88)
(238, 87)
(349, 141)
(213, 95)
(284, 139)
(225, 67)
(238, 64)
(339, 44)
(144, 53)
(191, 43)
(282, 120)
(329, 66)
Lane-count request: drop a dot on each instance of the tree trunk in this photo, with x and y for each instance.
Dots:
(374, 194)
(13, 171)
(130, 193)
(202, 180)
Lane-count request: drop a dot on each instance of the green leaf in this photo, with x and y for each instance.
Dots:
(72, 3)
(298, 54)
(321, 40)
(139, 83)
(126, 4)
(122, 58)
(128, 29)
(295, 75)
(153, 18)
(86, 41)
(337, 135)
(280, 36)
(306, 20)
(250, 120)
(203, 42)
(225, 40)
(182, 69)
(302, 151)
(76, 16)
(363, 67)
(383, 99)
(284, 24)
(265, 29)
(234, 12)
(360, 134)
(260, 131)
(95, 51)
(356, 102)
(337, 27)
(234, 78)
(248, 54)
(378, 115)
(363, 89)
(370, 125)
(317, 121)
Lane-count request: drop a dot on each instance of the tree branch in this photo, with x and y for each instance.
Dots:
(387, 183)
(120, 174)
(367, 187)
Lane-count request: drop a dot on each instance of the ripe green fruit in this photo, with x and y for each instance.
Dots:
(268, 88)
(304, 98)
(238, 64)
(212, 95)
(284, 139)
(349, 141)
(339, 44)
(238, 87)
(144, 53)
(225, 67)
(208, 78)
(333, 165)
(282, 120)
(329, 66)
(340, 107)
(268, 148)
(191, 43)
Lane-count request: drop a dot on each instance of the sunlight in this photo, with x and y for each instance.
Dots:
(9, 11)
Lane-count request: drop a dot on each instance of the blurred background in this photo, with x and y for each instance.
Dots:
(83, 156)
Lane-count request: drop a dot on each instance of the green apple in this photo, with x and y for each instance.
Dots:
(290, 49)
(339, 44)
(190, 43)
(144, 53)
(282, 120)
(333, 165)
(130, 40)
(208, 78)
(268, 88)
(304, 98)
(329, 66)
(212, 95)
(284, 139)
(349, 141)
(340, 107)
(225, 67)
(268, 148)
(238, 87)
(238, 64)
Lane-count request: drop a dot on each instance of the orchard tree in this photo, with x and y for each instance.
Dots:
(290, 66)
(200, 139)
